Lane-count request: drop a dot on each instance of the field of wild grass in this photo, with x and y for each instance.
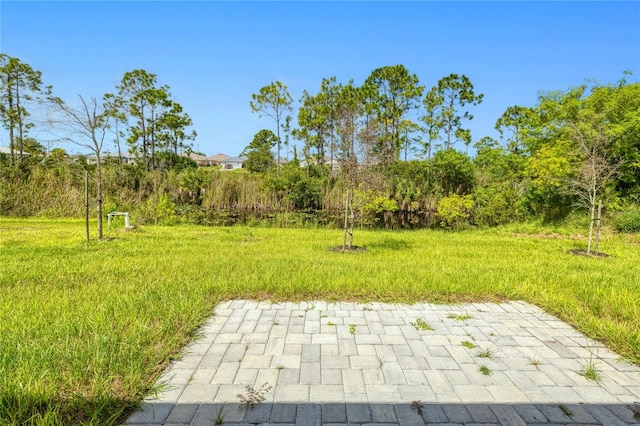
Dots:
(85, 329)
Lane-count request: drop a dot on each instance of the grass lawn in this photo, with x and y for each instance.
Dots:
(85, 329)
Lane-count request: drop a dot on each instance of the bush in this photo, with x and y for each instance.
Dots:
(496, 205)
(628, 220)
(455, 210)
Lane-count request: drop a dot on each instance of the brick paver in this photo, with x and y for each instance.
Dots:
(349, 363)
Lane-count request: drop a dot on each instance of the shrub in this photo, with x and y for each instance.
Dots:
(628, 220)
(455, 210)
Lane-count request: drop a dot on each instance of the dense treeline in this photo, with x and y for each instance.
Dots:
(570, 151)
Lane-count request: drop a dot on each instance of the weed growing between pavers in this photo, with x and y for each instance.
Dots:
(565, 410)
(484, 370)
(485, 353)
(636, 410)
(219, 416)
(535, 361)
(417, 405)
(254, 396)
(590, 372)
(420, 324)
(460, 317)
(467, 344)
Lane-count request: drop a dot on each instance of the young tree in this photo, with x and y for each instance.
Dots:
(273, 101)
(86, 126)
(593, 144)
(391, 93)
(445, 104)
(18, 83)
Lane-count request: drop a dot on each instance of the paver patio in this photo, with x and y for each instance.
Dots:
(349, 363)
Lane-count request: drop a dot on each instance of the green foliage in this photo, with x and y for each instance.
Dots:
(390, 93)
(455, 211)
(628, 219)
(260, 159)
(453, 171)
(170, 161)
(274, 101)
(160, 211)
(19, 82)
(445, 105)
(497, 204)
(373, 206)
(306, 193)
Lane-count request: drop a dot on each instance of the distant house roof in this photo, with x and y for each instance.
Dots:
(235, 159)
(7, 150)
(218, 158)
(198, 157)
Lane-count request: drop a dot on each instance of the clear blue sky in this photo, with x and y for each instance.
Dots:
(214, 55)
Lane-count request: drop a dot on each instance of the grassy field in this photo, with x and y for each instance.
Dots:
(85, 329)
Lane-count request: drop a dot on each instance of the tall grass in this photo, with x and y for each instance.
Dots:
(87, 328)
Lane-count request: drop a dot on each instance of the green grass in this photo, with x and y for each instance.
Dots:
(87, 329)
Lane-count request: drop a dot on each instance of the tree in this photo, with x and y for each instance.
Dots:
(620, 109)
(145, 103)
(273, 101)
(407, 129)
(172, 134)
(518, 120)
(391, 92)
(18, 83)
(259, 156)
(593, 144)
(445, 108)
(313, 126)
(349, 112)
(432, 102)
(117, 110)
(86, 126)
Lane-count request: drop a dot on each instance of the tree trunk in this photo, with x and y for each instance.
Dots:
(20, 131)
(12, 124)
(86, 203)
(346, 220)
(593, 213)
(278, 155)
(352, 221)
(598, 225)
(99, 193)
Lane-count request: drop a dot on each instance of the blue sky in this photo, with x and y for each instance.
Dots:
(214, 55)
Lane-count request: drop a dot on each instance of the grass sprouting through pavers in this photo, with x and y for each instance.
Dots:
(85, 330)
